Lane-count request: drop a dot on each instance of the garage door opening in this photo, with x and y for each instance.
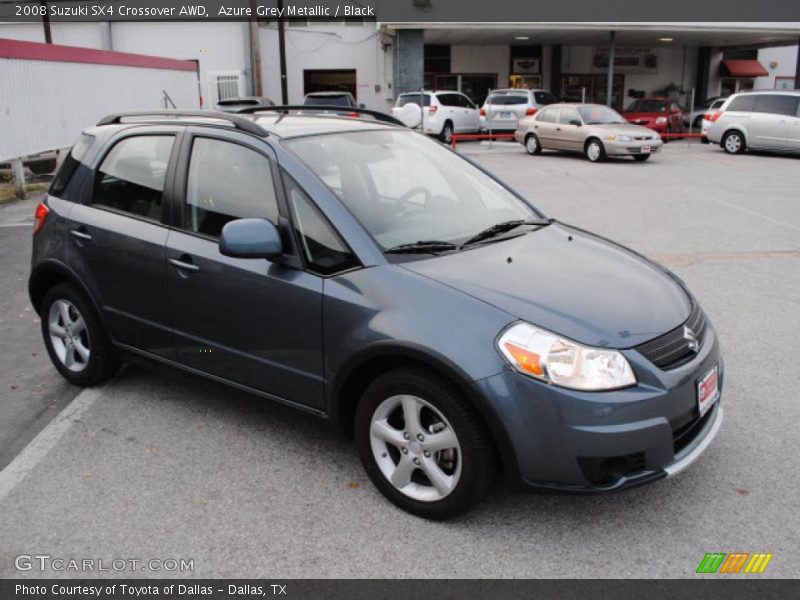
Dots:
(329, 80)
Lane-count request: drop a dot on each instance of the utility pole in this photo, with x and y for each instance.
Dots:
(282, 53)
(610, 85)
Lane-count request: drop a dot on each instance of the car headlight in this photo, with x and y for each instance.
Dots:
(557, 360)
(661, 120)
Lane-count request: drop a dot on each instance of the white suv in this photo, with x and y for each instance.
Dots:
(444, 113)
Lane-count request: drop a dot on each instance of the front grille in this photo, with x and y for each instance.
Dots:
(672, 349)
(683, 435)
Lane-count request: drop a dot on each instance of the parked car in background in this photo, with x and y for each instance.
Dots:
(442, 114)
(767, 120)
(592, 129)
(659, 114)
(345, 99)
(363, 273)
(695, 117)
(232, 105)
(503, 109)
(705, 122)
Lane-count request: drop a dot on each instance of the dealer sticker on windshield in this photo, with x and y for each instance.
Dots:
(708, 390)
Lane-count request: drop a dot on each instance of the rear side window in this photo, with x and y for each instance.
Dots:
(74, 159)
(404, 99)
(544, 98)
(324, 251)
(227, 182)
(742, 103)
(776, 104)
(548, 116)
(131, 177)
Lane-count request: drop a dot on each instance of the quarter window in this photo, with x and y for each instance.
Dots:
(323, 249)
(776, 104)
(742, 104)
(69, 167)
(131, 177)
(227, 182)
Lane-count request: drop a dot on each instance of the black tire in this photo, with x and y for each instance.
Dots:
(537, 146)
(102, 362)
(477, 453)
(446, 134)
(590, 153)
(641, 157)
(733, 142)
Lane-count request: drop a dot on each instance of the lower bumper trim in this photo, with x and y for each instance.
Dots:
(694, 453)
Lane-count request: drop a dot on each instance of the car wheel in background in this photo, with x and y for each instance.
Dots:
(733, 142)
(75, 337)
(422, 445)
(447, 132)
(594, 150)
(641, 157)
(532, 144)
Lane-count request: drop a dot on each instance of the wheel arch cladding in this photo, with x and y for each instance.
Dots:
(49, 274)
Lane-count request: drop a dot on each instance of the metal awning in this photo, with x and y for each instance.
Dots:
(743, 68)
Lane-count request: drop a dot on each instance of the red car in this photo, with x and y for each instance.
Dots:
(659, 114)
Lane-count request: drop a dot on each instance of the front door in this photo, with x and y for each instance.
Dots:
(250, 321)
(570, 135)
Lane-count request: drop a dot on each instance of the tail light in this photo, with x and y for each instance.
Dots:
(715, 116)
(483, 112)
(352, 114)
(530, 112)
(432, 109)
(707, 117)
(40, 216)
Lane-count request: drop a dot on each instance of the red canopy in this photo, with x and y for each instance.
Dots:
(743, 68)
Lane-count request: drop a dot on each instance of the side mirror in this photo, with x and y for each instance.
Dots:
(250, 238)
(575, 122)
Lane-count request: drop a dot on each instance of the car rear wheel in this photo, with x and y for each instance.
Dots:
(75, 337)
(641, 157)
(733, 142)
(421, 444)
(447, 133)
(532, 144)
(595, 151)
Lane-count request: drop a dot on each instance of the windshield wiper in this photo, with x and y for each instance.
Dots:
(422, 247)
(499, 228)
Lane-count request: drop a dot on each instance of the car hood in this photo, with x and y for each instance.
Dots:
(623, 129)
(570, 282)
(643, 115)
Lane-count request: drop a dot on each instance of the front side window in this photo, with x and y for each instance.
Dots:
(227, 181)
(568, 115)
(595, 114)
(405, 188)
(324, 251)
(131, 177)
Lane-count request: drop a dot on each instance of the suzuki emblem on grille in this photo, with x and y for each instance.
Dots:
(691, 337)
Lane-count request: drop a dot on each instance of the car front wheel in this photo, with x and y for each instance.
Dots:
(421, 444)
(75, 337)
(595, 151)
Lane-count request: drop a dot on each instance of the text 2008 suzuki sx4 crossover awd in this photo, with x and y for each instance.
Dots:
(360, 271)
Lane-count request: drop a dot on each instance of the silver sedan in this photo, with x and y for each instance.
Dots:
(591, 129)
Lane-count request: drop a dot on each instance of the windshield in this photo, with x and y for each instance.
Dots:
(504, 99)
(648, 106)
(404, 187)
(329, 100)
(600, 115)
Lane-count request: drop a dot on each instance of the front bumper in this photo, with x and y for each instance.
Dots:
(632, 148)
(606, 441)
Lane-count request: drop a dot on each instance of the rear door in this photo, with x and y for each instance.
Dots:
(471, 114)
(117, 237)
(793, 133)
(545, 127)
(246, 320)
(769, 125)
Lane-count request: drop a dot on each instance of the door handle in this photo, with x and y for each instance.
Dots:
(184, 265)
(558, 128)
(80, 234)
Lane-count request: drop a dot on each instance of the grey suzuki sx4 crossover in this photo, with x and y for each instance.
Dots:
(355, 269)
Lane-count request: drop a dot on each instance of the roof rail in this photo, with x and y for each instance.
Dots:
(238, 122)
(376, 114)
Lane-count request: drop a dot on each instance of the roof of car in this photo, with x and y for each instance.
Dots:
(296, 125)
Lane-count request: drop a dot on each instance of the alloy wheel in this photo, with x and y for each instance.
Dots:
(69, 335)
(416, 448)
